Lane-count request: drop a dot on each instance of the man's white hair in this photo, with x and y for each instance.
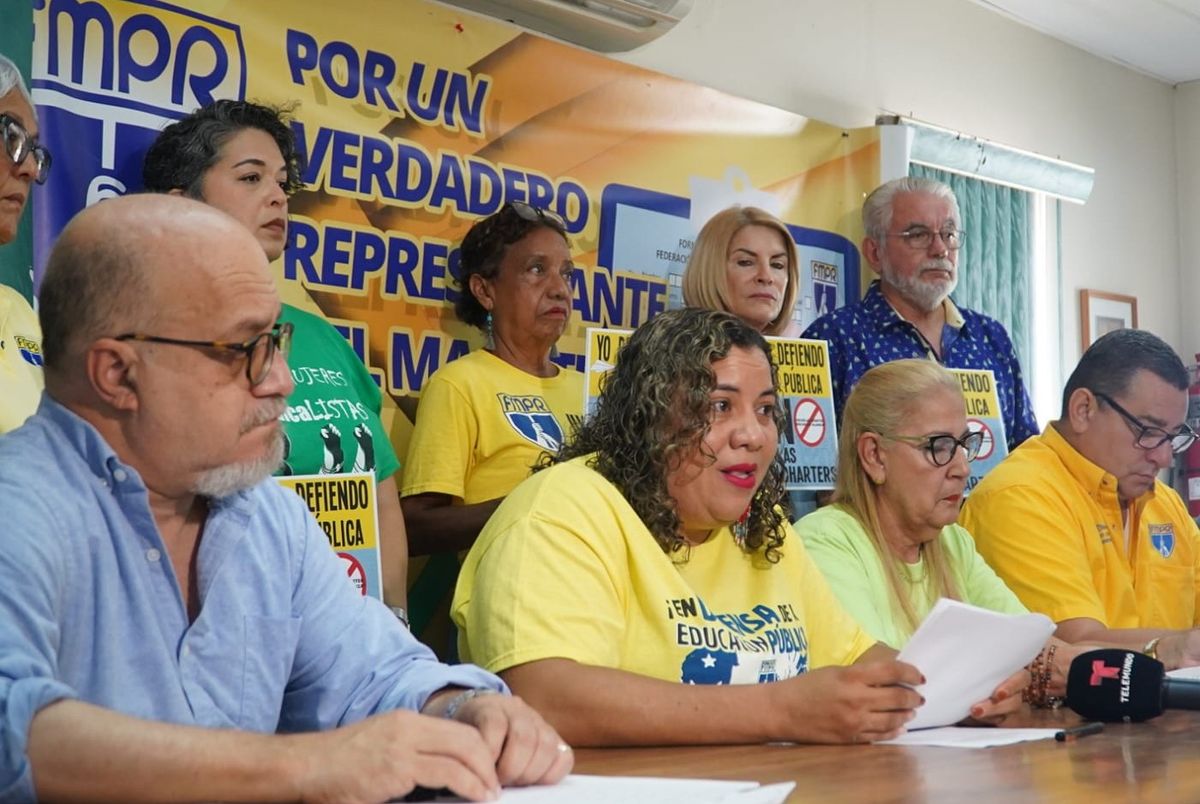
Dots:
(877, 209)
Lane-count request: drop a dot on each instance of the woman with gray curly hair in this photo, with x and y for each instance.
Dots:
(23, 161)
(643, 588)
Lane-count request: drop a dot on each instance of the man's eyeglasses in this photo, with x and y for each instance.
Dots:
(19, 145)
(942, 448)
(260, 351)
(921, 237)
(1149, 437)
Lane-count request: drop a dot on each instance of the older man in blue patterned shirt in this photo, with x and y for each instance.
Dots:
(912, 239)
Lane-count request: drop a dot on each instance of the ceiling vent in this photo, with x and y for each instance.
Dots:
(609, 26)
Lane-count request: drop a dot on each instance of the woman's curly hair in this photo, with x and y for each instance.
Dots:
(653, 413)
(483, 250)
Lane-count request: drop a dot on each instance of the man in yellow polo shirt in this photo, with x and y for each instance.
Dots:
(1075, 521)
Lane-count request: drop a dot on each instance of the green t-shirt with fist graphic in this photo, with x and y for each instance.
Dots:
(332, 420)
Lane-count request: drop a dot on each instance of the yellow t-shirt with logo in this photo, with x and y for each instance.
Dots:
(482, 424)
(1048, 521)
(21, 379)
(566, 569)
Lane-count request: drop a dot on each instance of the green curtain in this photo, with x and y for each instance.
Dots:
(994, 264)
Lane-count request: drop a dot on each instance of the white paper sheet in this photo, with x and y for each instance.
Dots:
(960, 737)
(1191, 673)
(965, 652)
(582, 789)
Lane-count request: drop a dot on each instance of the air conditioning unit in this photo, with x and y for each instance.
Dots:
(609, 26)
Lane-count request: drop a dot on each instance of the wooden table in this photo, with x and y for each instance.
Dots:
(1158, 760)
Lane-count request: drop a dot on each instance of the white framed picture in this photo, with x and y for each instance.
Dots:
(1101, 312)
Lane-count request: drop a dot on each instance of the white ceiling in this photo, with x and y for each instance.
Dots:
(1160, 38)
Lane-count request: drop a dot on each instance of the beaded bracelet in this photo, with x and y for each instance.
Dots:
(1035, 671)
(1041, 670)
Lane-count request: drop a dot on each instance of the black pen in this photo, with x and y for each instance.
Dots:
(1075, 732)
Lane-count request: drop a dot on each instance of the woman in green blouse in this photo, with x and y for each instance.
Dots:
(889, 545)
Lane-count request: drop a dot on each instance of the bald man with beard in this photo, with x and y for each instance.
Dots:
(173, 624)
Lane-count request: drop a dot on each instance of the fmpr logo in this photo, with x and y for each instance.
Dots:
(107, 76)
(1162, 539)
(532, 418)
(30, 350)
(141, 55)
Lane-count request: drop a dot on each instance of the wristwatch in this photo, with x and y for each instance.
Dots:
(401, 615)
(457, 701)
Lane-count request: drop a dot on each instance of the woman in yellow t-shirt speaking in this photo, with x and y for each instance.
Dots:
(646, 587)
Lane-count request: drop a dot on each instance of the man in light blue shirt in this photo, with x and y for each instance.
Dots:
(173, 624)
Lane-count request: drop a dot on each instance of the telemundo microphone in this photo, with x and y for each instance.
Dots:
(1116, 686)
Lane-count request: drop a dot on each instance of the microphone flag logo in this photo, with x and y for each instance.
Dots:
(1101, 671)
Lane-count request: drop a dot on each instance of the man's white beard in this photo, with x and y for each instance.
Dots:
(923, 294)
(225, 480)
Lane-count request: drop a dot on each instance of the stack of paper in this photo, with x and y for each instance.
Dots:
(966, 737)
(965, 652)
(1190, 673)
(580, 789)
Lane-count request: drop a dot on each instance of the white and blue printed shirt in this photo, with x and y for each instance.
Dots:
(871, 332)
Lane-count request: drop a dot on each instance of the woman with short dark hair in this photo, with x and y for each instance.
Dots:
(241, 158)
